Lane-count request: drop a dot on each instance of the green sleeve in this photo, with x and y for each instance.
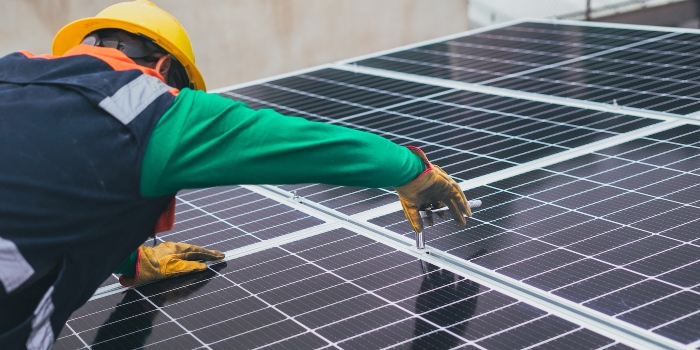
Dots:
(128, 267)
(206, 140)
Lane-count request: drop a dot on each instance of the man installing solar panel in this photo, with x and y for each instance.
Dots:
(98, 137)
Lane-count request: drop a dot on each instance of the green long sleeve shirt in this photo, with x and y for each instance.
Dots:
(206, 140)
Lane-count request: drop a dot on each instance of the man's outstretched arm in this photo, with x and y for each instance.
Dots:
(206, 140)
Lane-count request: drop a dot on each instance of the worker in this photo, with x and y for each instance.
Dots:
(98, 137)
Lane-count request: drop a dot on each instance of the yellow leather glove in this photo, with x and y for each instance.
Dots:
(432, 189)
(169, 259)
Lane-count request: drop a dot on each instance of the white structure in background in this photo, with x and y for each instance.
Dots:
(486, 12)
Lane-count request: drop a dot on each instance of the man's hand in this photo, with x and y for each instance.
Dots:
(167, 260)
(433, 188)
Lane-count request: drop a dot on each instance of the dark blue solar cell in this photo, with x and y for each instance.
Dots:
(531, 333)
(568, 274)
(540, 264)
(664, 310)
(631, 297)
(599, 285)
(685, 330)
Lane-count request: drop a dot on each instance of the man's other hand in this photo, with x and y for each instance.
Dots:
(167, 260)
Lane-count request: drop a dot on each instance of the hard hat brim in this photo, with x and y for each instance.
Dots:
(73, 33)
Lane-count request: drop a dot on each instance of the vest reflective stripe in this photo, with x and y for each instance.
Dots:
(14, 269)
(41, 336)
(133, 98)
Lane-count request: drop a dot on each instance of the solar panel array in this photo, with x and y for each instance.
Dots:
(641, 69)
(616, 225)
(586, 206)
(333, 289)
(470, 134)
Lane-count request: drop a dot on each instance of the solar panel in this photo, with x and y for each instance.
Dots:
(614, 230)
(491, 54)
(233, 217)
(640, 69)
(587, 238)
(336, 289)
(227, 218)
(470, 134)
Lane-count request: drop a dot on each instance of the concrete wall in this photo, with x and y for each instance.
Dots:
(242, 40)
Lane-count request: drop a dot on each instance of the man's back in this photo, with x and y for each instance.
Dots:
(70, 173)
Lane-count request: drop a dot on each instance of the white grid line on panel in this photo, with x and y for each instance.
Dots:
(383, 287)
(389, 302)
(159, 309)
(77, 335)
(370, 109)
(274, 308)
(611, 323)
(575, 33)
(403, 238)
(557, 337)
(448, 147)
(592, 217)
(612, 89)
(573, 177)
(515, 22)
(535, 164)
(202, 207)
(555, 305)
(605, 50)
(613, 25)
(529, 239)
(608, 346)
(675, 320)
(382, 132)
(365, 88)
(475, 87)
(238, 252)
(466, 107)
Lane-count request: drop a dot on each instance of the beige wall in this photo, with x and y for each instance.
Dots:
(242, 40)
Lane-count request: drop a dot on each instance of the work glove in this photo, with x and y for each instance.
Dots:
(433, 189)
(167, 260)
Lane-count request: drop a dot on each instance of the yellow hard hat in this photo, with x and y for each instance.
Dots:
(137, 17)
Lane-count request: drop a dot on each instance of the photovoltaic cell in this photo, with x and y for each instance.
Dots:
(470, 134)
(615, 230)
(497, 53)
(335, 289)
(634, 68)
(226, 218)
(659, 76)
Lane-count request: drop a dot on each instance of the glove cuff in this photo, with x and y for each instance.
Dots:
(419, 152)
(128, 281)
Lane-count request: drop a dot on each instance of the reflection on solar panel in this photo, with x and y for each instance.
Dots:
(635, 68)
(337, 288)
(588, 237)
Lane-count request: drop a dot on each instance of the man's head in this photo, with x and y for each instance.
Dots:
(151, 36)
(143, 51)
